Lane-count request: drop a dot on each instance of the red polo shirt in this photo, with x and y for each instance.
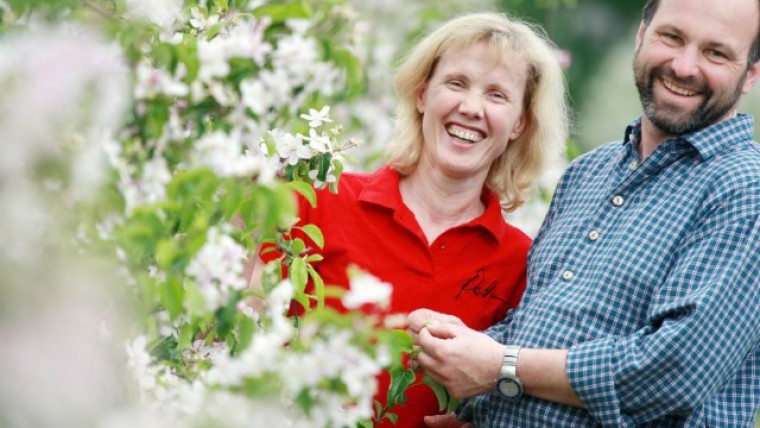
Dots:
(475, 271)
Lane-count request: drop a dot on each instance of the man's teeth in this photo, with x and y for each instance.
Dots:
(463, 134)
(678, 90)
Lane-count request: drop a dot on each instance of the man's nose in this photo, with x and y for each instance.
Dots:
(686, 63)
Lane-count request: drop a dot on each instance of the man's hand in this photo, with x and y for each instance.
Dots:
(421, 318)
(463, 360)
(445, 421)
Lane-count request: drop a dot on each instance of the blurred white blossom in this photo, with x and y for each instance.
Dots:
(367, 289)
(163, 13)
(218, 268)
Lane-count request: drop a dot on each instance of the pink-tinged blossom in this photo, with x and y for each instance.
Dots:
(39, 108)
(152, 82)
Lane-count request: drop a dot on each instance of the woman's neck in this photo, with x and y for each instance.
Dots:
(439, 202)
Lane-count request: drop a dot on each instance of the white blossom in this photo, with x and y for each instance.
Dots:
(317, 117)
(321, 143)
(163, 13)
(367, 289)
(224, 154)
(291, 147)
(218, 268)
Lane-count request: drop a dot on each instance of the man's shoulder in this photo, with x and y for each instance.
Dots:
(741, 162)
(594, 158)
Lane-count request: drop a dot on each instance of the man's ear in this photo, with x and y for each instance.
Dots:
(752, 74)
(640, 35)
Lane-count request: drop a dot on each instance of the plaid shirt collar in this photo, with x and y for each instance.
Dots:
(707, 141)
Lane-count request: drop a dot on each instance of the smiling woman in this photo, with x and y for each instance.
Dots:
(482, 110)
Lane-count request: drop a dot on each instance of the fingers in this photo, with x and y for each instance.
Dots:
(444, 421)
(421, 318)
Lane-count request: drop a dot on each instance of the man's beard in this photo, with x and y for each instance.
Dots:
(674, 120)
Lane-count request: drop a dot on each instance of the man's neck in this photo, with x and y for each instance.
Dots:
(652, 136)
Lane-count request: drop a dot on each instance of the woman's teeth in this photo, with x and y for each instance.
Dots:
(463, 134)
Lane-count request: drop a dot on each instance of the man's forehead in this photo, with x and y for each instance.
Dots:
(733, 23)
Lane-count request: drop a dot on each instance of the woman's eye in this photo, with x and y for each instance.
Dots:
(455, 83)
(498, 96)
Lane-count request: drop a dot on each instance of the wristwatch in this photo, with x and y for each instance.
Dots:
(508, 384)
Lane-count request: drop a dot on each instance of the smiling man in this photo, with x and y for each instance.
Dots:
(642, 306)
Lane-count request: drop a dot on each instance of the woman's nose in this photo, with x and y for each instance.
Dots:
(471, 105)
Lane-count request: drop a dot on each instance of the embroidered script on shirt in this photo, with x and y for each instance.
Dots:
(479, 286)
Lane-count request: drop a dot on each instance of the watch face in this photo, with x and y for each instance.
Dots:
(509, 388)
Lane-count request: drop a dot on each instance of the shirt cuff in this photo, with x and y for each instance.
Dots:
(464, 410)
(590, 369)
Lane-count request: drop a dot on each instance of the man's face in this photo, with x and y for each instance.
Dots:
(690, 64)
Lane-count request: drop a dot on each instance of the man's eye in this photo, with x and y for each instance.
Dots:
(670, 37)
(716, 54)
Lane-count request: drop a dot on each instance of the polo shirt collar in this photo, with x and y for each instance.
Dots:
(382, 189)
(710, 140)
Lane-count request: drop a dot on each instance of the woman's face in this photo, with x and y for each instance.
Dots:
(471, 107)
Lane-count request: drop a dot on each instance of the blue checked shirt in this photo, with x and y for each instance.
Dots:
(649, 273)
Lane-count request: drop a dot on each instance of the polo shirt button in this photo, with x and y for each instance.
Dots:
(442, 246)
(634, 164)
(568, 275)
(618, 201)
(593, 235)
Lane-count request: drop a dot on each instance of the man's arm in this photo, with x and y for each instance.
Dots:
(467, 363)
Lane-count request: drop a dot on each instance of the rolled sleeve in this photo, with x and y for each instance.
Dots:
(591, 374)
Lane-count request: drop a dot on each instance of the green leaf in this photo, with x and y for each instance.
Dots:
(232, 200)
(319, 286)
(282, 12)
(313, 232)
(298, 274)
(354, 71)
(305, 190)
(186, 334)
(440, 392)
(167, 251)
(171, 296)
(392, 417)
(401, 378)
(314, 258)
(245, 329)
(324, 166)
(213, 30)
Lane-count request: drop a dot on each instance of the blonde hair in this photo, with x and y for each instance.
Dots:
(513, 174)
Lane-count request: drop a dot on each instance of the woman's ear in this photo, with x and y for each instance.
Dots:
(519, 126)
(421, 93)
